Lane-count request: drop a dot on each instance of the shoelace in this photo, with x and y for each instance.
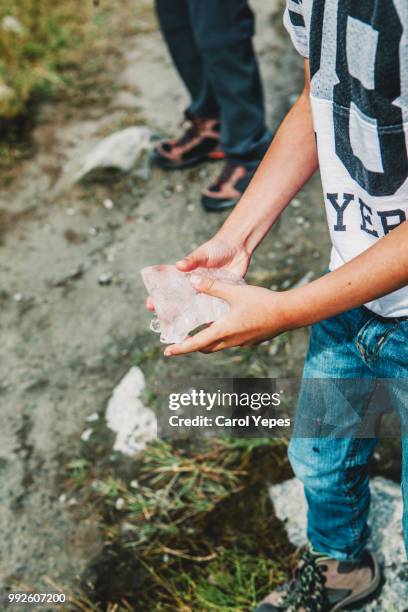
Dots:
(306, 589)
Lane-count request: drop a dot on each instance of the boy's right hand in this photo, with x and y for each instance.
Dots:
(216, 253)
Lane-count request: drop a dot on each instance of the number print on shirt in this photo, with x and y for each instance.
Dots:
(368, 78)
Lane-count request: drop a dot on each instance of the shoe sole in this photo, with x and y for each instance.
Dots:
(370, 593)
(217, 205)
(165, 164)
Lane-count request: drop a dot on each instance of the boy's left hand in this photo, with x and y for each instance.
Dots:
(256, 314)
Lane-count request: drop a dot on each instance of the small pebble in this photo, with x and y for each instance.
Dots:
(92, 417)
(71, 212)
(120, 503)
(105, 279)
(190, 207)
(86, 434)
(108, 204)
(296, 203)
(92, 231)
(17, 297)
(179, 188)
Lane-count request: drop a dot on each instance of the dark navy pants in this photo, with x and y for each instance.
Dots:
(210, 42)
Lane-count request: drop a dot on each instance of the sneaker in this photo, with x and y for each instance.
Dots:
(228, 188)
(200, 142)
(322, 584)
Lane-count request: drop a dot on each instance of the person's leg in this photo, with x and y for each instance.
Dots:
(200, 140)
(404, 487)
(330, 458)
(223, 32)
(175, 24)
(389, 351)
(326, 450)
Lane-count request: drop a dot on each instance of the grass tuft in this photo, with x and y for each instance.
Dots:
(193, 529)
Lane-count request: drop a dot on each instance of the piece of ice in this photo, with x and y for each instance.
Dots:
(180, 309)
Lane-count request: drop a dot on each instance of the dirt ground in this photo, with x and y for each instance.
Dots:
(67, 339)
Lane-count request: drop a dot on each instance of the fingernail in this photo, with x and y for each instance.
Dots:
(168, 353)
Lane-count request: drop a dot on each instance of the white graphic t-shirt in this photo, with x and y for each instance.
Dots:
(358, 53)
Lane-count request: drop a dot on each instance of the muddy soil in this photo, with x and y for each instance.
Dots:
(67, 339)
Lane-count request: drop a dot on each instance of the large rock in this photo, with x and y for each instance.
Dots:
(119, 151)
(126, 415)
(93, 158)
(385, 519)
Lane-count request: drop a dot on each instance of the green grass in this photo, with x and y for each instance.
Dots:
(68, 51)
(57, 40)
(31, 61)
(194, 530)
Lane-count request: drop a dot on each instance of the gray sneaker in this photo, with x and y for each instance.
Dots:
(323, 584)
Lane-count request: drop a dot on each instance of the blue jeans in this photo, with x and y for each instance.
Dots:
(356, 368)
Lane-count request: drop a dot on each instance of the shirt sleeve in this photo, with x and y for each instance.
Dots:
(294, 22)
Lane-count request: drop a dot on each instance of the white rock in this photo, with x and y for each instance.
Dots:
(120, 503)
(133, 423)
(385, 520)
(108, 204)
(105, 279)
(11, 24)
(86, 435)
(92, 417)
(119, 151)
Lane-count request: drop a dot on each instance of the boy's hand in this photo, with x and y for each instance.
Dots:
(216, 253)
(256, 314)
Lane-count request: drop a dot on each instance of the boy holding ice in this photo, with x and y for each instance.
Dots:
(351, 120)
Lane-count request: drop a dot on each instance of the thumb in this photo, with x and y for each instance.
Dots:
(196, 259)
(212, 286)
